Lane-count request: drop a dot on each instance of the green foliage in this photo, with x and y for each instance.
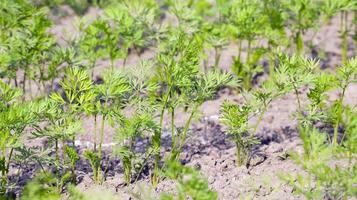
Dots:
(294, 72)
(25, 41)
(94, 161)
(181, 85)
(15, 117)
(190, 184)
(41, 187)
(330, 172)
(131, 129)
(236, 118)
(137, 101)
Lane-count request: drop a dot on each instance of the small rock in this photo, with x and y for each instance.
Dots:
(270, 119)
(257, 160)
(214, 154)
(211, 180)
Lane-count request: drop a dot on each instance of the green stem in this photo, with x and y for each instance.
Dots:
(239, 49)
(299, 42)
(271, 64)
(173, 128)
(297, 97)
(107, 167)
(248, 51)
(335, 129)
(30, 86)
(344, 36)
(100, 146)
(142, 166)
(184, 134)
(24, 83)
(92, 68)
(217, 56)
(9, 160)
(57, 156)
(259, 120)
(157, 139)
(95, 134)
(239, 153)
(63, 152)
(335, 133)
(74, 173)
(5, 171)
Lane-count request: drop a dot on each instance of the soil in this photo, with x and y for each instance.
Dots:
(208, 148)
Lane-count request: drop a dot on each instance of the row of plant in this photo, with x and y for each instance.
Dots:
(329, 154)
(48, 90)
(256, 28)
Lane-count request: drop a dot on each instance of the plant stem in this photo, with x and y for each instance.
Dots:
(30, 86)
(335, 133)
(157, 139)
(95, 134)
(185, 130)
(217, 56)
(259, 120)
(248, 51)
(271, 64)
(239, 158)
(239, 49)
(9, 160)
(100, 145)
(92, 68)
(57, 156)
(344, 36)
(335, 129)
(24, 84)
(297, 97)
(173, 145)
(299, 42)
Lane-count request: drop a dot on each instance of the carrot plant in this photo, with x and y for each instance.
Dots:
(26, 41)
(180, 85)
(236, 118)
(303, 15)
(293, 73)
(190, 184)
(217, 39)
(134, 25)
(274, 30)
(331, 8)
(324, 177)
(91, 42)
(246, 30)
(110, 97)
(345, 76)
(15, 117)
(76, 100)
(130, 130)
(322, 155)
(318, 97)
